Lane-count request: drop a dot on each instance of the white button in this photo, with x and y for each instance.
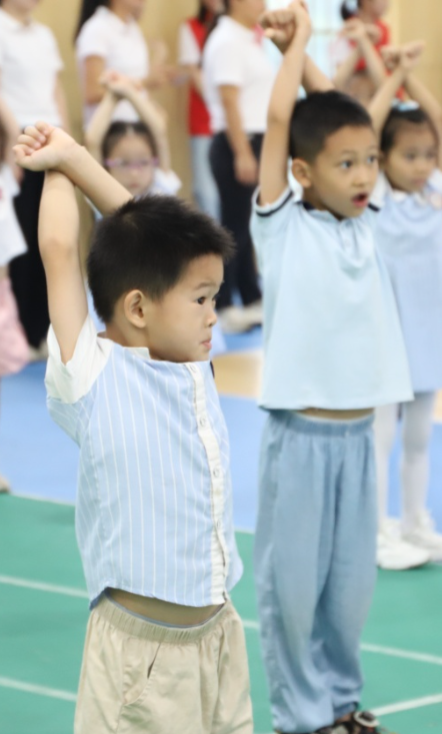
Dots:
(218, 524)
(192, 368)
(216, 472)
(203, 422)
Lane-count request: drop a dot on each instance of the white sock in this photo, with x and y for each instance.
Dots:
(384, 432)
(415, 462)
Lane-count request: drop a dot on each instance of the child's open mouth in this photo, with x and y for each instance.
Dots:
(360, 200)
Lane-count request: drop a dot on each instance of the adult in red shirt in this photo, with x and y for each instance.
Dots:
(369, 12)
(192, 36)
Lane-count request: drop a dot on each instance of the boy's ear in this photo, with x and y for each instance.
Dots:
(302, 172)
(136, 308)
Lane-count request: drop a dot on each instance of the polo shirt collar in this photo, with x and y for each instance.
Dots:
(11, 23)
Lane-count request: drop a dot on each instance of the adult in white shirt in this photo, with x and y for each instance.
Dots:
(191, 39)
(109, 37)
(30, 86)
(238, 79)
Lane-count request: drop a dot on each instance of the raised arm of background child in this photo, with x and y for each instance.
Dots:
(155, 119)
(294, 25)
(43, 147)
(99, 125)
(380, 106)
(58, 232)
(421, 94)
(401, 63)
(356, 31)
(313, 79)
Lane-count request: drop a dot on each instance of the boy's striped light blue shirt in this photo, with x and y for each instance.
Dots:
(154, 506)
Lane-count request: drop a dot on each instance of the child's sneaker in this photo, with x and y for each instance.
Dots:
(393, 553)
(361, 722)
(5, 487)
(425, 537)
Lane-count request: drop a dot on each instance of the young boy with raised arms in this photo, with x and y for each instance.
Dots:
(333, 351)
(165, 649)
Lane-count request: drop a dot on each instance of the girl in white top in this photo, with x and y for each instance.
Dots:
(409, 236)
(30, 66)
(14, 349)
(109, 37)
(135, 153)
(238, 79)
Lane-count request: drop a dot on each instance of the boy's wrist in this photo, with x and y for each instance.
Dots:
(72, 159)
(302, 36)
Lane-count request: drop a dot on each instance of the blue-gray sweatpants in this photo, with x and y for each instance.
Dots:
(315, 570)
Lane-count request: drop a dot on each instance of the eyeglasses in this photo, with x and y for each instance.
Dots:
(139, 164)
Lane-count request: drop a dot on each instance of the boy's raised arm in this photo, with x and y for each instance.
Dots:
(290, 29)
(58, 231)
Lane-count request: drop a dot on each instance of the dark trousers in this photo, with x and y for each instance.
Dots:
(26, 272)
(236, 200)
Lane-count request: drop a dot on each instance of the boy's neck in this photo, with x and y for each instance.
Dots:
(23, 16)
(310, 197)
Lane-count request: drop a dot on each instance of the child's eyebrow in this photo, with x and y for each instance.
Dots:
(206, 284)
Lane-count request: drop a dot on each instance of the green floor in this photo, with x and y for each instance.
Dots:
(42, 630)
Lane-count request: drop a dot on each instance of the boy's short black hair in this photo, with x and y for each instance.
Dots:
(320, 115)
(398, 119)
(147, 244)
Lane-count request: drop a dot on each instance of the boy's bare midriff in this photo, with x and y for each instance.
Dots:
(337, 415)
(163, 611)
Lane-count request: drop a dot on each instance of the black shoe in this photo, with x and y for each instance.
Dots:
(361, 722)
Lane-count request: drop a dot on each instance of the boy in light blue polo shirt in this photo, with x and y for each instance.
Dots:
(165, 649)
(333, 350)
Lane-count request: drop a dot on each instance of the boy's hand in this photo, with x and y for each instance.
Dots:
(281, 25)
(43, 147)
(246, 168)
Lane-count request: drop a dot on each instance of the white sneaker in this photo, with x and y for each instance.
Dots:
(235, 320)
(5, 487)
(39, 354)
(425, 537)
(393, 553)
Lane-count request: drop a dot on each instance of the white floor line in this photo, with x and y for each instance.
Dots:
(248, 623)
(38, 586)
(415, 703)
(397, 653)
(38, 690)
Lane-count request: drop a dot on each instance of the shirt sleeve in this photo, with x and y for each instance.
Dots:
(92, 41)
(227, 65)
(70, 382)
(269, 224)
(188, 49)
